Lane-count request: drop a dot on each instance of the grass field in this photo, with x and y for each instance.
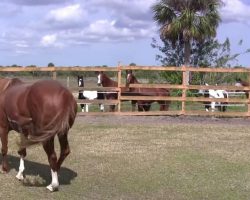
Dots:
(141, 158)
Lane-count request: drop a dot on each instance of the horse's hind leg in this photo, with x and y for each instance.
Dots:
(22, 153)
(48, 147)
(112, 108)
(65, 150)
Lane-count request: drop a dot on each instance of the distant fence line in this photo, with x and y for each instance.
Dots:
(184, 87)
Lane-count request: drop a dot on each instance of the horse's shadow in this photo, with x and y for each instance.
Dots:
(35, 169)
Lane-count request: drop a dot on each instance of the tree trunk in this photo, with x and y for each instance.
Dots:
(187, 53)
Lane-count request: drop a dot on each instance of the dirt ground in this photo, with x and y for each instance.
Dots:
(116, 120)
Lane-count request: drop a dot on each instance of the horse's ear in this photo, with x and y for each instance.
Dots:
(98, 72)
(238, 80)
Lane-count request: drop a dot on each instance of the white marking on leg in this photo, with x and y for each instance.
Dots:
(54, 183)
(213, 106)
(87, 107)
(102, 107)
(19, 175)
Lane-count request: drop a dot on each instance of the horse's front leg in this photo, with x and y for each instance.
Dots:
(213, 106)
(4, 140)
(48, 147)
(22, 153)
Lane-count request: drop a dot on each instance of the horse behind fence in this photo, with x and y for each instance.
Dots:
(90, 95)
(145, 105)
(211, 93)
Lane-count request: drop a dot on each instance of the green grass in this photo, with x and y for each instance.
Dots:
(132, 160)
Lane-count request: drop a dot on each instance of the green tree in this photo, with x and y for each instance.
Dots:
(185, 21)
(51, 64)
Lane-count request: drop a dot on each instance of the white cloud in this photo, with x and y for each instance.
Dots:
(68, 13)
(50, 41)
(35, 2)
(235, 11)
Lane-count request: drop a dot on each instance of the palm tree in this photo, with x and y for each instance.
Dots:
(187, 20)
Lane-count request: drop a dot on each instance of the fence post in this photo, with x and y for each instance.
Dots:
(184, 90)
(54, 73)
(119, 79)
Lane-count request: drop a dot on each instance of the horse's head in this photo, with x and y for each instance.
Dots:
(241, 83)
(80, 81)
(130, 77)
(100, 78)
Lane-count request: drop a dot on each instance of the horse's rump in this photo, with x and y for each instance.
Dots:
(50, 107)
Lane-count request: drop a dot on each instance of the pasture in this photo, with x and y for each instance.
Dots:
(141, 158)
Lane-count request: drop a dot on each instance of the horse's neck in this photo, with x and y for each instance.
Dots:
(109, 83)
(244, 83)
(135, 80)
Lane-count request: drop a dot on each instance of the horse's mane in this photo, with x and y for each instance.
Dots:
(114, 83)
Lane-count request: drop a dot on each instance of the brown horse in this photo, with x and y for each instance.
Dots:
(38, 112)
(145, 105)
(241, 83)
(105, 81)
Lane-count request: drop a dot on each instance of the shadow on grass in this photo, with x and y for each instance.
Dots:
(39, 175)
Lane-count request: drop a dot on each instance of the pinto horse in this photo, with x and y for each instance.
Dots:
(145, 105)
(211, 93)
(39, 112)
(87, 94)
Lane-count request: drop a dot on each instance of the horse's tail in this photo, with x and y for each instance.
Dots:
(59, 124)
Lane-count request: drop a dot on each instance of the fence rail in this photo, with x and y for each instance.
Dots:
(184, 99)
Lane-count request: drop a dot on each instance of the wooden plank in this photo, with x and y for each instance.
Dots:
(87, 69)
(165, 113)
(193, 69)
(190, 99)
(150, 113)
(203, 99)
(217, 87)
(91, 68)
(97, 101)
(167, 86)
(108, 89)
(190, 87)
(153, 98)
(222, 114)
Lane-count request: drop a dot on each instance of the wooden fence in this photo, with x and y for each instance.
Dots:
(183, 99)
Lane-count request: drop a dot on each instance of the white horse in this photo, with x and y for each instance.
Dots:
(211, 93)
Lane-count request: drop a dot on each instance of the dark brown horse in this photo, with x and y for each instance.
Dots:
(39, 112)
(145, 105)
(105, 81)
(241, 83)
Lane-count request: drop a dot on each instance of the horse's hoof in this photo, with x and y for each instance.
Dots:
(3, 171)
(20, 177)
(52, 188)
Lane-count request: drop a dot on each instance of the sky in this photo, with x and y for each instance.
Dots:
(98, 32)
